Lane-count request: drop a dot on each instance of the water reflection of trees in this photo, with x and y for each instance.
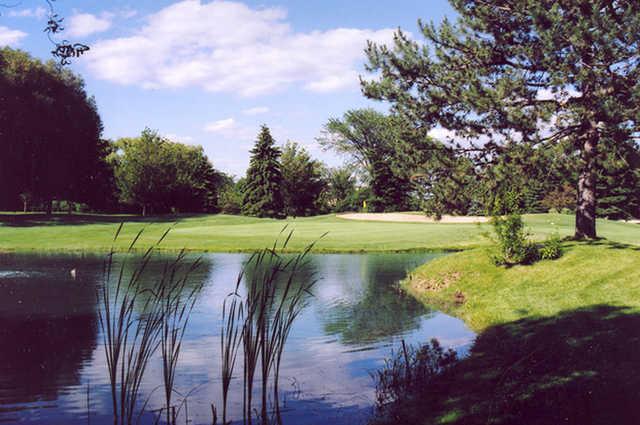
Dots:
(305, 274)
(154, 270)
(49, 320)
(380, 310)
(48, 326)
(370, 307)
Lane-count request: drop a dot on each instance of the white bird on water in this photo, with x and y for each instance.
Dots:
(73, 273)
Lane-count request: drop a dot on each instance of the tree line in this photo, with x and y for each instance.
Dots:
(539, 103)
(55, 158)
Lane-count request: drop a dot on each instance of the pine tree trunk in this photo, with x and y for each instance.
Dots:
(144, 210)
(586, 208)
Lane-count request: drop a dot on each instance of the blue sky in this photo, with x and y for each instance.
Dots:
(210, 72)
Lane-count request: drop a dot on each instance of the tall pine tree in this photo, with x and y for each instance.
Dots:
(534, 72)
(263, 188)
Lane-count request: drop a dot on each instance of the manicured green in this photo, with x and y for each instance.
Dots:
(559, 340)
(225, 233)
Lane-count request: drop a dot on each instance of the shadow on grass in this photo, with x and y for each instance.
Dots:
(604, 242)
(612, 245)
(578, 367)
(60, 219)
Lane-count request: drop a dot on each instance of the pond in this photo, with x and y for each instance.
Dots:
(52, 363)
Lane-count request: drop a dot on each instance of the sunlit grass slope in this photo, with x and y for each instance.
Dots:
(588, 274)
(559, 341)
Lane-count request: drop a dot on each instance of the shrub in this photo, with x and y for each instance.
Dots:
(551, 248)
(566, 211)
(406, 376)
(513, 245)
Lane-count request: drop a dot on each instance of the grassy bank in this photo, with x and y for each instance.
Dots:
(224, 233)
(559, 341)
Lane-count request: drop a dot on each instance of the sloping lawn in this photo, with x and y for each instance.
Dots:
(559, 341)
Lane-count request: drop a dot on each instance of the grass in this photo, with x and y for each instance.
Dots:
(588, 274)
(225, 233)
(559, 341)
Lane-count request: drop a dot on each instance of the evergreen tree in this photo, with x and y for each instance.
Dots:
(263, 187)
(532, 72)
(619, 184)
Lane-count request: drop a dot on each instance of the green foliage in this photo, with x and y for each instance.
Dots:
(302, 180)
(513, 245)
(263, 187)
(406, 376)
(551, 248)
(619, 183)
(441, 183)
(560, 198)
(506, 202)
(160, 176)
(341, 193)
(521, 180)
(49, 135)
(521, 73)
(231, 195)
(370, 138)
(389, 189)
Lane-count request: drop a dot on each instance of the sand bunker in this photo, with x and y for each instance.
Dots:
(412, 218)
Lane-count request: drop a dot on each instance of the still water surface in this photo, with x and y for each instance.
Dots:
(52, 366)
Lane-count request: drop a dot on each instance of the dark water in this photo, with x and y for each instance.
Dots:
(52, 366)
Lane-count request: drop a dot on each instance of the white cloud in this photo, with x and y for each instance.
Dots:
(450, 137)
(220, 126)
(84, 24)
(9, 37)
(227, 46)
(180, 139)
(127, 13)
(560, 94)
(256, 111)
(230, 129)
(442, 134)
(38, 13)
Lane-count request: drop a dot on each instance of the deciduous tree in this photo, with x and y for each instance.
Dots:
(49, 132)
(159, 175)
(302, 181)
(370, 138)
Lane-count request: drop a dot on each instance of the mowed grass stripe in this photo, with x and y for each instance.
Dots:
(225, 233)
